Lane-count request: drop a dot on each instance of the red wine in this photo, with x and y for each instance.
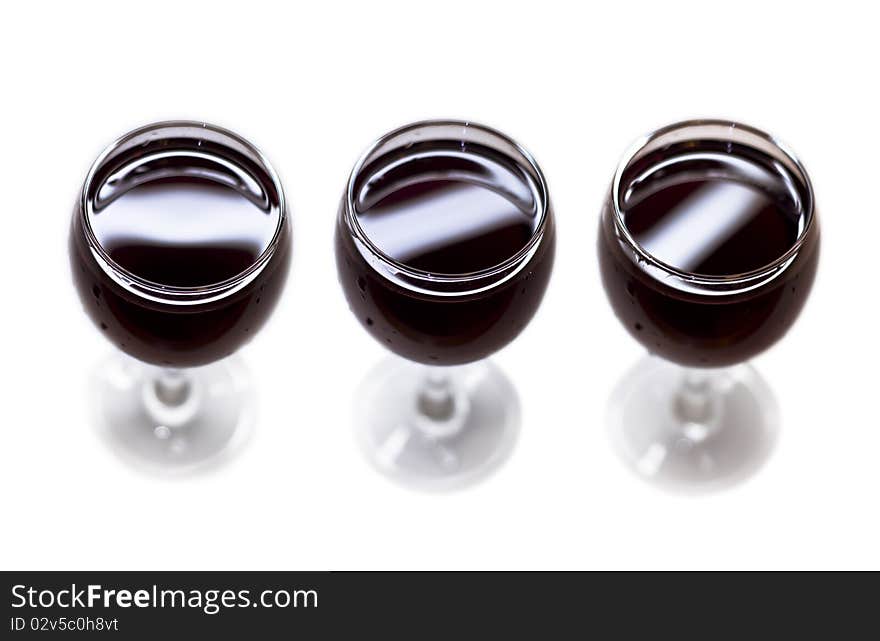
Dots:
(181, 221)
(188, 266)
(713, 225)
(180, 233)
(708, 210)
(449, 212)
(436, 212)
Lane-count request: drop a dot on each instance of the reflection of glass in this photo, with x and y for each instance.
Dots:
(708, 247)
(179, 248)
(444, 246)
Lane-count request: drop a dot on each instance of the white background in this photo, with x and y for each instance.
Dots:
(312, 86)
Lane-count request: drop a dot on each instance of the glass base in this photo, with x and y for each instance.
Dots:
(166, 420)
(691, 429)
(433, 428)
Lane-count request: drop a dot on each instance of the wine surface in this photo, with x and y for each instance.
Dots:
(175, 223)
(713, 214)
(444, 211)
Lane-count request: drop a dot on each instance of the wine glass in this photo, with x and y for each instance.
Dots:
(179, 249)
(444, 247)
(708, 248)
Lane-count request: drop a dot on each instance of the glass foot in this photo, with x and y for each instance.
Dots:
(173, 420)
(689, 429)
(435, 428)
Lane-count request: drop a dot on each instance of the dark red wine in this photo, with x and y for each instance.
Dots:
(181, 233)
(446, 212)
(719, 211)
(435, 211)
(181, 221)
(189, 266)
(714, 225)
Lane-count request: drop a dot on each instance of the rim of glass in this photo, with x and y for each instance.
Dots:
(708, 279)
(172, 293)
(418, 274)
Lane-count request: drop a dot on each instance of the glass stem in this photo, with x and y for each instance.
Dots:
(436, 399)
(171, 386)
(694, 401)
